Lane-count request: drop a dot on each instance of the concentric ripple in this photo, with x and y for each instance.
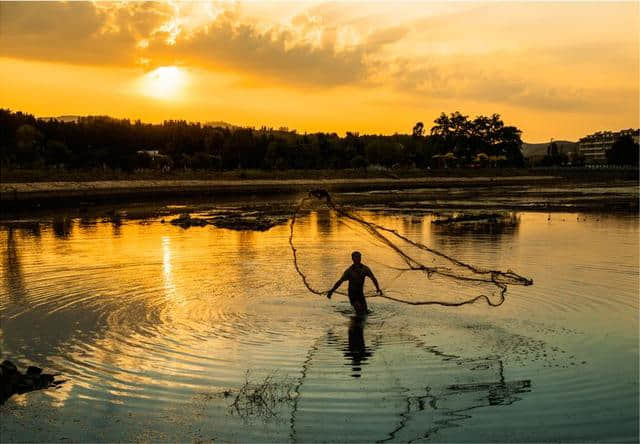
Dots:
(156, 328)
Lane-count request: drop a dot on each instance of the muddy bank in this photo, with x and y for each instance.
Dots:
(62, 193)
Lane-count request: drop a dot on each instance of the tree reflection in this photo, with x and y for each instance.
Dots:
(491, 226)
(62, 227)
(14, 279)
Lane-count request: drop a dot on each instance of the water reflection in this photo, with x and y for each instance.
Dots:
(457, 400)
(140, 318)
(325, 221)
(411, 391)
(62, 226)
(14, 280)
(494, 228)
(87, 223)
(169, 286)
(357, 352)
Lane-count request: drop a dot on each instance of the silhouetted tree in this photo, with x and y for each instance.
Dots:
(418, 129)
(28, 144)
(359, 162)
(56, 152)
(456, 134)
(104, 142)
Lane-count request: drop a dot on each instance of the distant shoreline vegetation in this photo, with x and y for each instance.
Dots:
(105, 143)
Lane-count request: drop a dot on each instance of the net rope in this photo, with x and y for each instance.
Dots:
(391, 238)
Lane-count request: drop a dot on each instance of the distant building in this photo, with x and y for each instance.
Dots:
(154, 160)
(594, 147)
(65, 119)
(150, 153)
(535, 153)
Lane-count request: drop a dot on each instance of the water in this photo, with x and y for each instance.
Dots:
(154, 327)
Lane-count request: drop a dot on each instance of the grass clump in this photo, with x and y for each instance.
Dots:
(262, 398)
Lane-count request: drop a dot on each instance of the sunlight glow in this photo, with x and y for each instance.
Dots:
(166, 82)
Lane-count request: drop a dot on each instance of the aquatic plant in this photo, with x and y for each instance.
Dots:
(262, 398)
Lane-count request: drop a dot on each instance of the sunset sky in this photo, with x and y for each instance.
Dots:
(555, 70)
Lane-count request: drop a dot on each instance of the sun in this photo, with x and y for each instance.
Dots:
(165, 82)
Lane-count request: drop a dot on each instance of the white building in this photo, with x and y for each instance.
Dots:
(150, 153)
(594, 147)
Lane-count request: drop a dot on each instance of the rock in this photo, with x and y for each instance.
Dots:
(185, 221)
(32, 370)
(13, 381)
(7, 390)
(46, 379)
(248, 223)
(8, 367)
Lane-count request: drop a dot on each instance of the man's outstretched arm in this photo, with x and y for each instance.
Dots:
(374, 280)
(335, 287)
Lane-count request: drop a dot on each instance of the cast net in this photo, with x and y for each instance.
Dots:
(409, 271)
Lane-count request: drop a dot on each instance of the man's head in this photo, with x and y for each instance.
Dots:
(356, 256)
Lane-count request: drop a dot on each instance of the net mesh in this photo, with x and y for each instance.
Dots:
(427, 276)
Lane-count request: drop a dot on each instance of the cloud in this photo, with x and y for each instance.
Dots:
(302, 53)
(423, 51)
(274, 54)
(78, 32)
(469, 82)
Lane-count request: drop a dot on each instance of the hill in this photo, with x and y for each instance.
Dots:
(65, 119)
(539, 150)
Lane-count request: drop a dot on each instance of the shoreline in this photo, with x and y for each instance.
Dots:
(514, 193)
(40, 193)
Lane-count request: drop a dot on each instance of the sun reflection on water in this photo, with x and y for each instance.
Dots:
(169, 286)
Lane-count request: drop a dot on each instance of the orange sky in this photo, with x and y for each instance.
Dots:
(555, 70)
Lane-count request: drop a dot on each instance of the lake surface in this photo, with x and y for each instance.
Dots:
(156, 329)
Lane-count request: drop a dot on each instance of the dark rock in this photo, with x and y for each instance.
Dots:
(8, 367)
(33, 370)
(186, 221)
(46, 379)
(248, 223)
(13, 381)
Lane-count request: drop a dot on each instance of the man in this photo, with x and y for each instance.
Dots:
(355, 274)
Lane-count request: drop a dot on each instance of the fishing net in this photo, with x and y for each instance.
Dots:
(410, 272)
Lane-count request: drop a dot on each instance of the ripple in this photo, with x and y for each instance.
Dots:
(152, 324)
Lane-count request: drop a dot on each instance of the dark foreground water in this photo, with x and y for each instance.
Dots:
(156, 328)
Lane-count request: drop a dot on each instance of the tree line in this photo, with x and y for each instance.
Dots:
(453, 140)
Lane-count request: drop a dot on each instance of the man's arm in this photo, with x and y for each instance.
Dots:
(374, 280)
(337, 284)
